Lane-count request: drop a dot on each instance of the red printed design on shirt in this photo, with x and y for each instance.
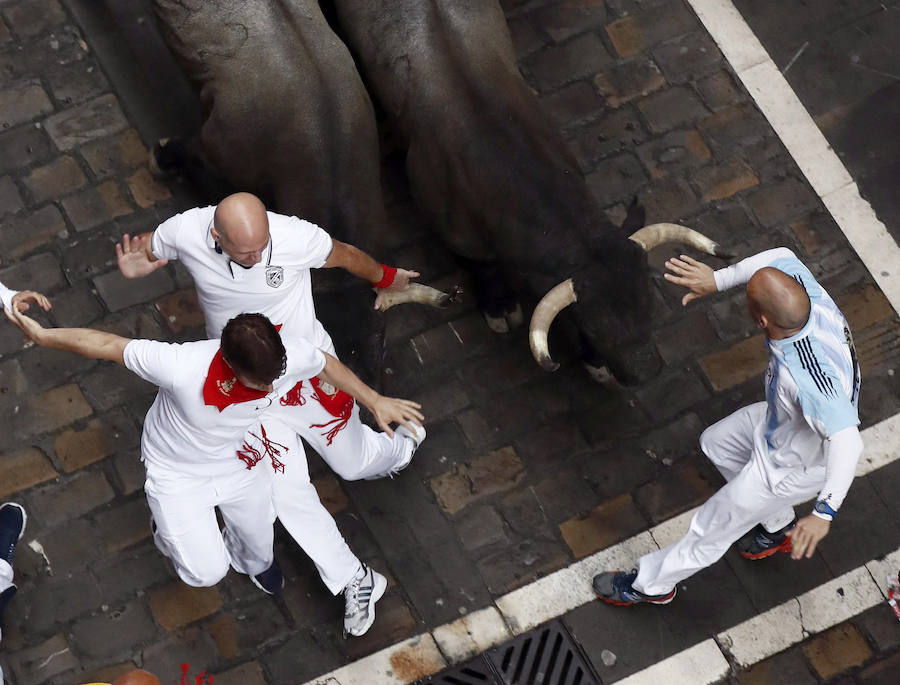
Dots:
(251, 455)
(293, 398)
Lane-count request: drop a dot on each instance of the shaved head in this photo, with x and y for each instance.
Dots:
(241, 228)
(777, 300)
(137, 677)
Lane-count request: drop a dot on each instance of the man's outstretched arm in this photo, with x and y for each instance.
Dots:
(135, 256)
(360, 264)
(84, 341)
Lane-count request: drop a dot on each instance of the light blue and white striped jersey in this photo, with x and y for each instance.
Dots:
(812, 379)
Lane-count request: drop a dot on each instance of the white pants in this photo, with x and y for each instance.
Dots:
(6, 575)
(746, 499)
(355, 451)
(298, 507)
(183, 509)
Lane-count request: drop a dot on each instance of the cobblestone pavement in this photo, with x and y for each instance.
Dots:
(523, 472)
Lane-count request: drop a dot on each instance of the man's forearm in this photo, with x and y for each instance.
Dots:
(740, 273)
(842, 452)
(344, 379)
(87, 342)
(355, 261)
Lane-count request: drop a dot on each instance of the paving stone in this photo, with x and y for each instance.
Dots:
(50, 410)
(573, 104)
(836, 650)
(443, 401)
(496, 422)
(54, 180)
(688, 57)
(330, 494)
(626, 80)
(525, 37)
(223, 630)
(23, 469)
(76, 307)
(308, 602)
(94, 119)
(176, 605)
(670, 199)
(787, 667)
(114, 633)
(615, 132)
(497, 471)
(395, 624)
(68, 547)
(612, 521)
(181, 310)
(817, 233)
(610, 422)
(674, 441)
(59, 600)
(551, 444)
(883, 672)
(22, 148)
(670, 394)
(733, 128)
(192, 647)
(146, 190)
(37, 664)
(724, 180)
(742, 361)
(23, 235)
(250, 673)
(682, 487)
(76, 82)
(688, 336)
(32, 17)
(72, 498)
(451, 342)
(562, 20)
(41, 273)
(119, 292)
(303, 657)
(10, 199)
(515, 566)
(444, 448)
(132, 573)
(637, 32)
(670, 109)
(479, 527)
(562, 493)
(88, 255)
(782, 202)
(124, 526)
(615, 179)
(22, 102)
(674, 151)
(880, 625)
(579, 57)
(130, 472)
(77, 448)
(719, 90)
(96, 205)
(523, 514)
(46, 367)
(115, 154)
(863, 306)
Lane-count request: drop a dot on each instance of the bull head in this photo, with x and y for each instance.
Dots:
(564, 294)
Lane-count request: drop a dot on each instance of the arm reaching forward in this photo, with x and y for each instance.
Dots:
(387, 410)
(84, 341)
(357, 262)
(135, 256)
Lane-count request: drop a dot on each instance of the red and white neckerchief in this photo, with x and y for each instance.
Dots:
(222, 388)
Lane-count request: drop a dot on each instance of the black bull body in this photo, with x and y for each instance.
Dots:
(287, 116)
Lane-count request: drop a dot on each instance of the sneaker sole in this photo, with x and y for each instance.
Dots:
(665, 600)
(377, 593)
(783, 548)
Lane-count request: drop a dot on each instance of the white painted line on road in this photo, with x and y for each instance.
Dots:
(701, 664)
(788, 117)
(399, 664)
(471, 634)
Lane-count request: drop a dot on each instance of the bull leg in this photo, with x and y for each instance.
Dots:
(498, 304)
(183, 157)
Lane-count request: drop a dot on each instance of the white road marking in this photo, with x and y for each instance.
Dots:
(699, 665)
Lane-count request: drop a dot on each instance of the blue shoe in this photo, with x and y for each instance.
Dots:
(270, 581)
(12, 525)
(760, 543)
(615, 587)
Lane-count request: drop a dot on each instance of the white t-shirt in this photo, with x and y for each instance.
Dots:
(6, 296)
(184, 435)
(279, 286)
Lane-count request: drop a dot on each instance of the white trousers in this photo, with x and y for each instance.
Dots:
(746, 499)
(187, 532)
(6, 575)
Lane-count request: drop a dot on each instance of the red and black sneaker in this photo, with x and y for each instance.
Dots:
(760, 543)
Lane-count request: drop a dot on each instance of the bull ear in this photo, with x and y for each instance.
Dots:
(635, 218)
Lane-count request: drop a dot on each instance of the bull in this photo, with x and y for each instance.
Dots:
(502, 189)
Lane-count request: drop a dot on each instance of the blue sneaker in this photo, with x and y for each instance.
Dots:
(270, 581)
(615, 587)
(760, 543)
(12, 525)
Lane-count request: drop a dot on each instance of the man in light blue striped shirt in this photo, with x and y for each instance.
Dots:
(802, 442)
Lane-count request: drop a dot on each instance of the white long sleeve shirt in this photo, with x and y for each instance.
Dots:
(6, 296)
(812, 385)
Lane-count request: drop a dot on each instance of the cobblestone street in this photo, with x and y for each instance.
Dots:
(523, 472)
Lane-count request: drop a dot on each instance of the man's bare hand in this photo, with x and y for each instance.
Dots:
(401, 282)
(22, 300)
(693, 275)
(388, 410)
(808, 532)
(31, 328)
(132, 255)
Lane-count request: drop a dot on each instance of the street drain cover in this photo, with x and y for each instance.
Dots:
(544, 656)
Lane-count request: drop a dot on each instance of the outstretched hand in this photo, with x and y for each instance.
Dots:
(401, 282)
(693, 275)
(31, 328)
(808, 532)
(388, 410)
(132, 255)
(22, 299)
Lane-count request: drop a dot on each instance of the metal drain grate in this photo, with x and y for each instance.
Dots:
(544, 656)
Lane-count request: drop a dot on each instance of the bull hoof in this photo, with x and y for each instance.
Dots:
(166, 159)
(506, 322)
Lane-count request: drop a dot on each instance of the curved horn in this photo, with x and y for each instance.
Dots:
(656, 234)
(551, 304)
(416, 292)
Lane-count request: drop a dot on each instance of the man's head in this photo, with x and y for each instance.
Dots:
(137, 677)
(241, 228)
(777, 302)
(252, 347)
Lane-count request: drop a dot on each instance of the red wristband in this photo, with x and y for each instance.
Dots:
(388, 276)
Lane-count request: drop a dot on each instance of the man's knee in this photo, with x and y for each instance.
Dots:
(201, 575)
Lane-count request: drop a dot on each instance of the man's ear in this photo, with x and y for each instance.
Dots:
(763, 321)
(215, 234)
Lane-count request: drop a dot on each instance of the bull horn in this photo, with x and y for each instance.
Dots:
(656, 234)
(416, 292)
(551, 304)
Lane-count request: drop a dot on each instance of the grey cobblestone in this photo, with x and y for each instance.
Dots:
(10, 198)
(72, 498)
(96, 118)
(671, 108)
(118, 293)
(19, 237)
(30, 18)
(23, 147)
(580, 57)
(22, 102)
